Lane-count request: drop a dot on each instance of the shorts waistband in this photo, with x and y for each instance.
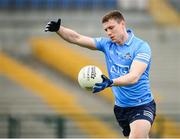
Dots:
(151, 102)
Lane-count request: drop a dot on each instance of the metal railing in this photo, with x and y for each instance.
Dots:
(55, 126)
(16, 126)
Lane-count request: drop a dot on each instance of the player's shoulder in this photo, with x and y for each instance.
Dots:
(141, 44)
(103, 40)
(102, 43)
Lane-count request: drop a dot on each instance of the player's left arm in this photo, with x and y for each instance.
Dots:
(140, 62)
(136, 70)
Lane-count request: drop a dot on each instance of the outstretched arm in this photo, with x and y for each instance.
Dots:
(70, 36)
(76, 38)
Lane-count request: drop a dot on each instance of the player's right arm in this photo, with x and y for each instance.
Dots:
(76, 38)
(71, 36)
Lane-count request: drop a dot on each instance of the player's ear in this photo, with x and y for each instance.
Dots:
(123, 23)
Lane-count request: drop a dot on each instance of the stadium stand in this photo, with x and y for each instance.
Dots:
(58, 98)
(20, 21)
(175, 4)
(171, 17)
(53, 56)
(57, 4)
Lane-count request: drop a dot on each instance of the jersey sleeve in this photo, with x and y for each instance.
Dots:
(143, 54)
(100, 43)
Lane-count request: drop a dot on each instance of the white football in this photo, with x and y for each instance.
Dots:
(88, 76)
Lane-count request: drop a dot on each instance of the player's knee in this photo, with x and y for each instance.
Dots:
(134, 136)
(138, 134)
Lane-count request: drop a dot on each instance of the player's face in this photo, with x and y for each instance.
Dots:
(115, 30)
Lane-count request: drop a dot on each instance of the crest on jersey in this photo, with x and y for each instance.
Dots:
(127, 56)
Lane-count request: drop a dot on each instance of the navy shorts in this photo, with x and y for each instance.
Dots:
(125, 116)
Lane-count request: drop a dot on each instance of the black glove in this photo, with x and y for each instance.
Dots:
(53, 26)
(101, 86)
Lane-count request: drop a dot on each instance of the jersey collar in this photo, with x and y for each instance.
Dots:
(130, 37)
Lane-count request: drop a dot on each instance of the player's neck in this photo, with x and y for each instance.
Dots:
(123, 39)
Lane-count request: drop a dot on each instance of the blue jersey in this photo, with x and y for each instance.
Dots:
(119, 59)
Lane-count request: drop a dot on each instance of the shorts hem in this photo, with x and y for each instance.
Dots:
(142, 118)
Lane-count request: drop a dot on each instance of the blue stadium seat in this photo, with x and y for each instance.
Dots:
(4, 4)
(50, 4)
(20, 4)
(35, 4)
(109, 4)
(61, 4)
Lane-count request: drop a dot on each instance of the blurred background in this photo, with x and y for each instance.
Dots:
(39, 93)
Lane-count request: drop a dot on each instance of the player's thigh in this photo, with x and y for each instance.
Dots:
(140, 128)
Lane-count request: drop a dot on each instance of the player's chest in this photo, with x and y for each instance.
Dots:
(121, 55)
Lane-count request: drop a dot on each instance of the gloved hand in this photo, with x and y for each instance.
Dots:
(101, 86)
(53, 26)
